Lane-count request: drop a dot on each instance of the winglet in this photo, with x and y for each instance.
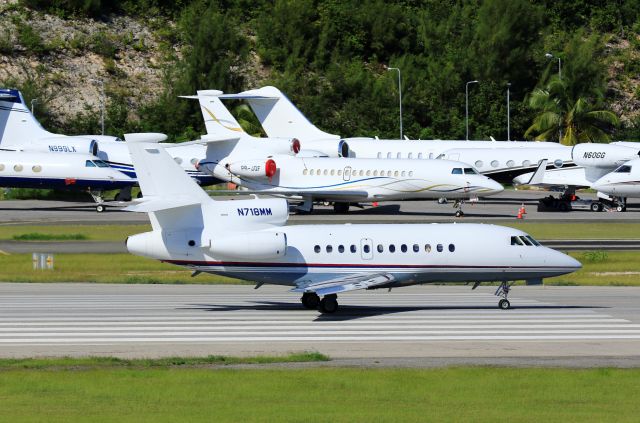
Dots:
(538, 175)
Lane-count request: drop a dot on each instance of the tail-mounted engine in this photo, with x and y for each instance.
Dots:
(602, 156)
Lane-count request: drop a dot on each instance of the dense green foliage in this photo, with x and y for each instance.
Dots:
(329, 57)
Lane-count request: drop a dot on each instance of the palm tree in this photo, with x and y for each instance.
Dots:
(571, 121)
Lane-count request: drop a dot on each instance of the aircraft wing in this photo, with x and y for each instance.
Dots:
(325, 195)
(344, 284)
(573, 176)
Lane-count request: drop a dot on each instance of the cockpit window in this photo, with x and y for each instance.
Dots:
(515, 240)
(456, 171)
(526, 241)
(623, 169)
(89, 163)
(530, 238)
(101, 163)
(470, 171)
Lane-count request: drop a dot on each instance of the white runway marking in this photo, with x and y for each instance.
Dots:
(144, 319)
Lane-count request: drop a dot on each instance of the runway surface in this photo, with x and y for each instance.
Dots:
(496, 209)
(423, 324)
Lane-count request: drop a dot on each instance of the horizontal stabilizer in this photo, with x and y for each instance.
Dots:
(150, 137)
(157, 204)
(344, 284)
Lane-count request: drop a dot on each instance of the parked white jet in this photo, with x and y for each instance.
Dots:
(248, 239)
(500, 160)
(623, 182)
(341, 181)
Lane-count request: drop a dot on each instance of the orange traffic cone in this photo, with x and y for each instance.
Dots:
(523, 209)
(375, 204)
(519, 214)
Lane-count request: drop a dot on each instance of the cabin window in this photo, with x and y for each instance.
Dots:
(419, 155)
(37, 168)
(515, 240)
(403, 174)
(333, 172)
(341, 249)
(319, 172)
(470, 171)
(311, 172)
(329, 248)
(439, 248)
(1, 167)
(388, 155)
(379, 155)
(361, 172)
(380, 248)
(193, 161)
(403, 248)
(495, 163)
(89, 163)
(479, 163)
(339, 172)
(399, 155)
(375, 173)
(177, 160)
(558, 163)
(396, 173)
(366, 248)
(452, 248)
(368, 173)
(410, 156)
(316, 249)
(526, 163)
(456, 171)
(18, 168)
(416, 248)
(305, 171)
(392, 248)
(326, 172)
(430, 156)
(389, 173)
(623, 169)
(410, 173)
(427, 248)
(511, 163)
(353, 248)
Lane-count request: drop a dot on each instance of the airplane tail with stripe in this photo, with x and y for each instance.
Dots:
(18, 126)
(218, 121)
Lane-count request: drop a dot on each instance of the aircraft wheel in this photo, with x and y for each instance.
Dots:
(328, 304)
(459, 213)
(310, 300)
(504, 304)
(100, 208)
(442, 200)
(596, 207)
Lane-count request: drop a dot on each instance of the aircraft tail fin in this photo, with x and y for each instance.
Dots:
(279, 117)
(17, 124)
(217, 118)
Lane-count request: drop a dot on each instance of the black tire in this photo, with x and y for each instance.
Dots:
(100, 208)
(596, 207)
(341, 208)
(504, 304)
(563, 206)
(328, 305)
(310, 300)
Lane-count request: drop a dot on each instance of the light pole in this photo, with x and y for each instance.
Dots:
(102, 101)
(399, 94)
(508, 114)
(551, 56)
(33, 110)
(466, 96)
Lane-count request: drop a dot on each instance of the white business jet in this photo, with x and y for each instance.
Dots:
(500, 160)
(20, 131)
(341, 181)
(248, 239)
(624, 182)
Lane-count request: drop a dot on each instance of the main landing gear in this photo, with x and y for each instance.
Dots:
(503, 291)
(458, 205)
(328, 304)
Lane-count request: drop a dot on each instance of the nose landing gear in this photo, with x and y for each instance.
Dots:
(503, 291)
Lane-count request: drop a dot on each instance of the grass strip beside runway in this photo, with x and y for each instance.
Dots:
(610, 268)
(478, 394)
(544, 230)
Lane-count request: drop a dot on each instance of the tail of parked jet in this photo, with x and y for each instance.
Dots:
(278, 116)
(17, 124)
(218, 121)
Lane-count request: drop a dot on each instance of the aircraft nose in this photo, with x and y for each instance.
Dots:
(564, 262)
(492, 187)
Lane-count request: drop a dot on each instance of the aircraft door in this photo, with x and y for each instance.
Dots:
(346, 174)
(366, 248)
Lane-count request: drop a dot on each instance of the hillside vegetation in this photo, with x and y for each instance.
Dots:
(330, 58)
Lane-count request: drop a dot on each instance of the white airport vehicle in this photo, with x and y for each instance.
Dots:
(248, 239)
(341, 181)
(500, 160)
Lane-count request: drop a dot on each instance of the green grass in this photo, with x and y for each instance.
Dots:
(37, 236)
(92, 232)
(474, 394)
(612, 268)
(86, 363)
(563, 230)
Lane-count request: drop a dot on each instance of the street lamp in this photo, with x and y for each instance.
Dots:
(102, 101)
(551, 56)
(33, 102)
(466, 92)
(508, 114)
(399, 94)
